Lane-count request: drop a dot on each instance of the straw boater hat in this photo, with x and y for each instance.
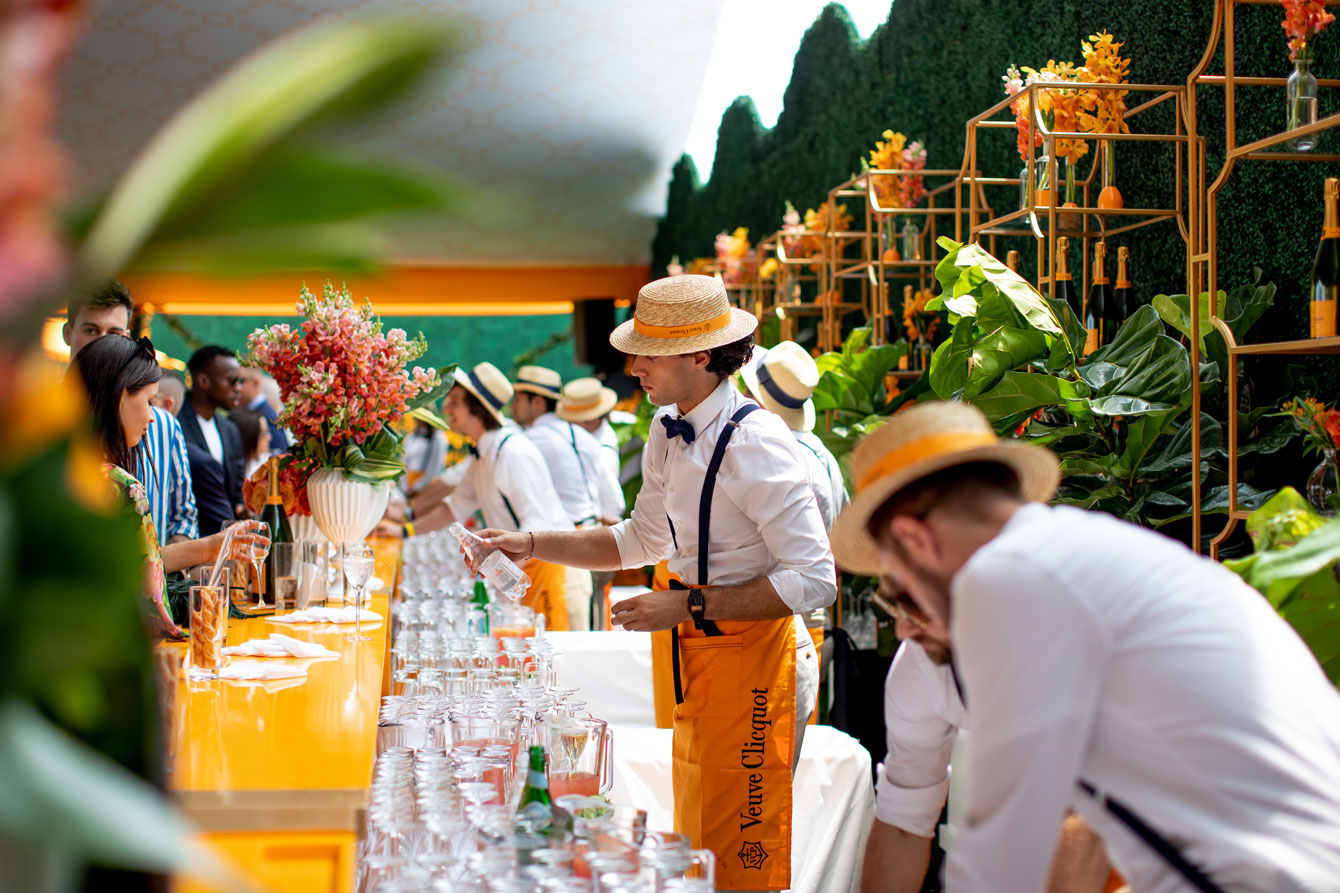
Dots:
(922, 440)
(489, 385)
(585, 399)
(539, 380)
(782, 379)
(679, 315)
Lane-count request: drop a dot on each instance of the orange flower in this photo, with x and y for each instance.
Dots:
(1103, 110)
(1304, 20)
(1332, 426)
(919, 323)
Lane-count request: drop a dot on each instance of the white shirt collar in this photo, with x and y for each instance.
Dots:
(702, 415)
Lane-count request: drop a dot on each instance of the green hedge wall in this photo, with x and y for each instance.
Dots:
(936, 63)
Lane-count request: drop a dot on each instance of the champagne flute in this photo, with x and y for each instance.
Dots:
(358, 564)
(260, 548)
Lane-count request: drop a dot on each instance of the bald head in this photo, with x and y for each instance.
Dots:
(171, 393)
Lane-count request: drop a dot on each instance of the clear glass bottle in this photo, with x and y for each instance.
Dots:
(911, 240)
(1301, 101)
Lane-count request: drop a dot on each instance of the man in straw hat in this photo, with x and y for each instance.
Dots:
(782, 380)
(507, 480)
(535, 393)
(585, 404)
(726, 499)
(1105, 668)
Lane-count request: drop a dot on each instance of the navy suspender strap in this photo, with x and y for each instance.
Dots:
(1161, 845)
(507, 503)
(581, 466)
(705, 535)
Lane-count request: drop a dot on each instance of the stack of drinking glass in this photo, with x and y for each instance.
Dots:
(457, 755)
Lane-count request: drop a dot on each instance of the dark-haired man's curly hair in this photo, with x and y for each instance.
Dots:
(726, 360)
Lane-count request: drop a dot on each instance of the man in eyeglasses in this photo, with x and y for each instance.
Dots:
(106, 309)
(218, 460)
(1105, 669)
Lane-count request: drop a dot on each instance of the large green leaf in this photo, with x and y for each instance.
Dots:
(1001, 351)
(287, 87)
(949, 364)
(446, 378)
(56, 791)
(1175, 310)
(1131, 340)
(1246, 304)
(977, 264)
(1018, 392)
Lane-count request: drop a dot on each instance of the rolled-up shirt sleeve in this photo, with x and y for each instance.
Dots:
(774, 492)
(644, 537)
(1032, 694)
(913, 780)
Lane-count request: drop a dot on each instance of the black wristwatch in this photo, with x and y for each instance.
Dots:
(697, 604)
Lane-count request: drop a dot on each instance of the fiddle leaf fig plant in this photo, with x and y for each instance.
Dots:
(1119, 418)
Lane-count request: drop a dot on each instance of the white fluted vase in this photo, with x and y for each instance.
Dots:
(345, 510)
(305, 529)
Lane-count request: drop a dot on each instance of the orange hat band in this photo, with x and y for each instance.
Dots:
(579, 407)
(925, 448)
(688, 330)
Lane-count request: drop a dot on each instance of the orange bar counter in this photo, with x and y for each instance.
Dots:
(276, 774)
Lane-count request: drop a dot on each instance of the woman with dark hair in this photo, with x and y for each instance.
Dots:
(120, 376)
(255, 437)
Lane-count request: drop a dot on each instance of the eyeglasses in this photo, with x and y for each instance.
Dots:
(900, 605)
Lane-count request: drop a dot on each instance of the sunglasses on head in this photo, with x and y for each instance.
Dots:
(145, 345)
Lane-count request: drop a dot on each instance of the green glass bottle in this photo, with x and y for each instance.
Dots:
(535, 811)
(481, 601)
(276, 519)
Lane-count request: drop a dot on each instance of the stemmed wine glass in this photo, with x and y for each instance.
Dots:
(260, 548)
(358, 563)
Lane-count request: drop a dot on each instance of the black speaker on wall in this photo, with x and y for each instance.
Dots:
(592, 322)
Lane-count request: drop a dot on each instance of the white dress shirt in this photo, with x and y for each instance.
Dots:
(612, 501)
(557, 442)
(1093, 649)
(209, 428)
(922, 715)
(830, 490)
(509, 482)
(765, 521)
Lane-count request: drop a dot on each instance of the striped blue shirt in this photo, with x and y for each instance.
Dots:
(168, 483)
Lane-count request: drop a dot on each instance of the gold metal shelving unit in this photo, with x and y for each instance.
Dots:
(1203, 266)
(1044, 223)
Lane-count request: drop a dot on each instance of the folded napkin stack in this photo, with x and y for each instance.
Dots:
(326, 615)
(258, 671)
(279, 645)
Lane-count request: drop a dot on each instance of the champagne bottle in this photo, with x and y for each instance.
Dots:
(535, 811)
(1125, 292)
(280, 532)
(1065, 286)
(481, 601)
(1012, 260)
(1326, 268)
(1100, 321)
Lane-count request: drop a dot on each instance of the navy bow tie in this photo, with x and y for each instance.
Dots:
(678, 428)
(473, 451)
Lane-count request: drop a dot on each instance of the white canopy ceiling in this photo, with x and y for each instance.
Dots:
(571, 112)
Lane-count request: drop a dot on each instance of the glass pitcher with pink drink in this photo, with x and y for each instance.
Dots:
(581, 758)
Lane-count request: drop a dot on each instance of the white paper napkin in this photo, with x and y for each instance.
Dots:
(279, 645)
(254, 670)
(326, 615)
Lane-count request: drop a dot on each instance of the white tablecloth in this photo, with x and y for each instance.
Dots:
(834, 802)
(613, 671)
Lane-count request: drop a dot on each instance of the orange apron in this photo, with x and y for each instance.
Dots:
(547, 594)
(734, 729)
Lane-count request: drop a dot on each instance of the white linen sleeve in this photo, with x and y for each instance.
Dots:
(464, 500)
(914, 777)
(644, 537)
(768, 482)
(1031, 660)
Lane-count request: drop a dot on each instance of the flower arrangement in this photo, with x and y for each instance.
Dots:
(674, 268)
(894, 153)
(1304, 20)
(1320, 424)
(343, 383)
(768, 268)
(806, 240)
(919, 322)
(733, 252)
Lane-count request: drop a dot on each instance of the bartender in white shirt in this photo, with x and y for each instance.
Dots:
(535, 393)
(747, 673)
(506, 480)
(586, 403)
(1105, 668)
